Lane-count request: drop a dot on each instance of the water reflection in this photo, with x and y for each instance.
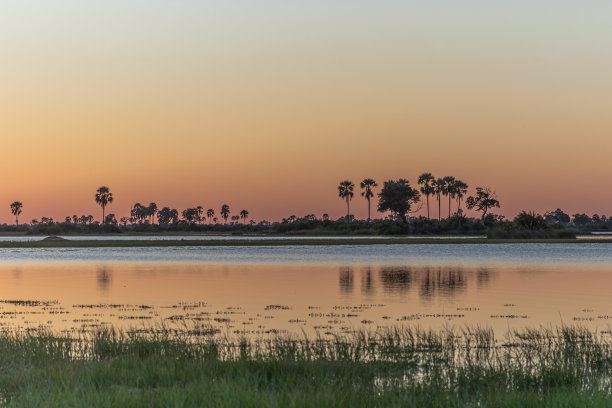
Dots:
(441, 281)
(345, 279)
(296, 297)
(104, 277)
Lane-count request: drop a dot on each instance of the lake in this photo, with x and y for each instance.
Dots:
(257, 291)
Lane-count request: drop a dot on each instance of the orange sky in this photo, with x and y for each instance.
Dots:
(267, 107)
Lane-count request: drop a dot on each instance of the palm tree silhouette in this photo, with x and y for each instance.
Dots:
(244, 214)
(210, 213)
(103, 198)
(16, 207)
(345, 191)
(449, 190)
(461, 190)
(151, 210)
(426, 180)
(225, 211)
(439, 188)
(367, 185)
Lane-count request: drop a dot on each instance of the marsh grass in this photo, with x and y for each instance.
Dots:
(392, 366)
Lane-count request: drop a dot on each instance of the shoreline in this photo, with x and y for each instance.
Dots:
(67, 243)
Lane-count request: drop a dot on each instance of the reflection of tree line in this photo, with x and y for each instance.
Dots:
(430, 281)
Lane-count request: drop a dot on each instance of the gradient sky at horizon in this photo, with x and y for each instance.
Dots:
(268, 105)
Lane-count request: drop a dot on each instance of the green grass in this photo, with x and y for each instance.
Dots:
(285, 242)
(399, 366)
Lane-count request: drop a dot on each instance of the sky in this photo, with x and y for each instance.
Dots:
(267, 105)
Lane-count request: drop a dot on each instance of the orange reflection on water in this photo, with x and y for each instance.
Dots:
(259, 299)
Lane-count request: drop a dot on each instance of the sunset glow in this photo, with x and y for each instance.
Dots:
(268, 105)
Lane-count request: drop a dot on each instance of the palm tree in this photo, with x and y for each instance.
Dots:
(426, 180)
(449, 191)
(225, 210)
(345, 191)
(151, 210)
(244, 214)
(461, 189)
(367, 185)
(439, 186)
(16, 207)
(210, 213)
(103, 198)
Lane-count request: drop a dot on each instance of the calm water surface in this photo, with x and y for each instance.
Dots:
(261, 290)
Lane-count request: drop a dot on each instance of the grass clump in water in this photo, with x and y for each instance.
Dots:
(394, 366)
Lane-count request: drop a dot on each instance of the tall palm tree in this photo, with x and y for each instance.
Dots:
(426, 180)
(151, 210)
(461, 190)
(439, 186)
(16, 207)
(244, 214)
(449, 191)
(225, 211)
(345, 191)
(367, 185)
(103, 198)
(210, 213)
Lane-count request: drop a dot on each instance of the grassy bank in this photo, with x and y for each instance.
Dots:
(397, 366)
(283, 242)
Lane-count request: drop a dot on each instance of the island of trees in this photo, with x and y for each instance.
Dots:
(397, 200)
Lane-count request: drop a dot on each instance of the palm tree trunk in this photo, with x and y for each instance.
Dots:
(348, 211)
(439, 208)
(449, 201)
(102, 215)
(427, 195)
(368, 209)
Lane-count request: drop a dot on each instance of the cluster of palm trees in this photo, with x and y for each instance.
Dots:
(446, 186)
(449, 186)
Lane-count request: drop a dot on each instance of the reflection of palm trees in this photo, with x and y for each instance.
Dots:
(396, 278)
(345, 277)
(367, 284)
(441, 281)
(104, 277)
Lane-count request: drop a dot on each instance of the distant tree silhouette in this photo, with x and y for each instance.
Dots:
(210, 213)
(151, 210)
(16, 207)
(557, 216)
(439, 189)
(110, 219)
(325, 217)
(367, 185)
(482, 201)
(449, 190)
(397, 196)
(244, 214)
(530, 220)
(139, 212)
(167, 216)
(225, 211)
(345, 191)
(103, 198)
(426, 181)
(461, 190)
(199, 213)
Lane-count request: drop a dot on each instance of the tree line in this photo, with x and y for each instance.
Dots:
(399, 197)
